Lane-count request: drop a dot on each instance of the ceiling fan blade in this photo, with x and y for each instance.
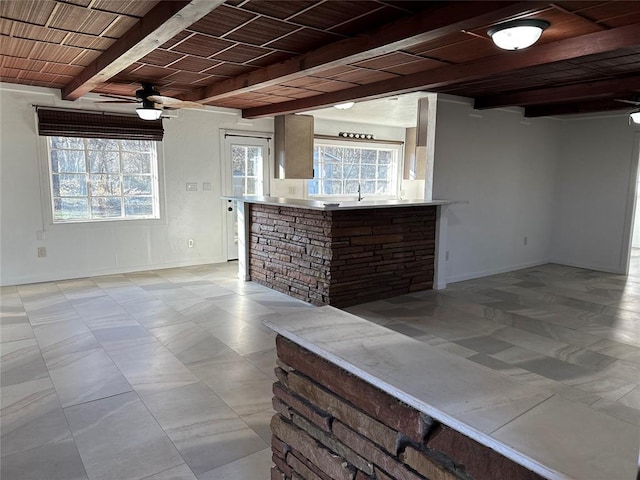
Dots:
(630, 102)
(120, 97)
(171, 102)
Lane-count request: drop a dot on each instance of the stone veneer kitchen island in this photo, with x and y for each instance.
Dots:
(355, 400)
(343, 253)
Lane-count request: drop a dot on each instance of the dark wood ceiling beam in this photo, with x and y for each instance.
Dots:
(431, 24)
(565, 94)
(591, 106)
(593, 43)
(162, 23)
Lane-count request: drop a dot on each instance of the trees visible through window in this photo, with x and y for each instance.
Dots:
(340, 169)
(247, 167)
(96, 179)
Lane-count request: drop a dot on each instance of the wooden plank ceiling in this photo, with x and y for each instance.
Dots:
(269, 57)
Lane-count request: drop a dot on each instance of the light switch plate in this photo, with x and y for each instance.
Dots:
(206, 186)
(192, 187)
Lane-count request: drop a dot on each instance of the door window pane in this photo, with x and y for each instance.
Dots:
(247, 167)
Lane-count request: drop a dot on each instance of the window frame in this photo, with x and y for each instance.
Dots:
(47, 197)
(398, 149)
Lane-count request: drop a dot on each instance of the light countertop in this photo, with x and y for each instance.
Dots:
(338, 205)
(547, 433)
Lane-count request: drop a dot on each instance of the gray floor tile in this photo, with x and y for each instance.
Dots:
(54, 461)
(555, 369)
(59, 339)
(255, 467)
(181, 472)
(151, 367)
(203, 428)
(21, 361)
(16, 327)
(484, 344)
(192, 344)
(85, 376)
(118, 439)
(31, 416)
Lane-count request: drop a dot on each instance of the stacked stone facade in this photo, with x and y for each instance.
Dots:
(331, 425)
(342, 257)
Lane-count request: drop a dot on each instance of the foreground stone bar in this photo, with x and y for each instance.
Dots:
(341, 254)
(357, 401)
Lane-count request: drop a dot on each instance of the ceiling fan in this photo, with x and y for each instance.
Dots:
(150, 99)
(634, 116)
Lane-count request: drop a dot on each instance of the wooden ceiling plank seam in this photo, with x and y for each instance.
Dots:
(111, 26)
(258, 58)
(97, 9)
(397, 7)
(304, 10)
(608, 19)
(586, 66)
(385, 39)
(579, 15)
(583, 45)
(162, 22)
(338, 25)
(238, 27)
(266, 45)
(52, 15)
(566, 93)
(292, 22)
(297, 30)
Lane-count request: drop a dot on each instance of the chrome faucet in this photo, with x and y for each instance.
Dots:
(360, 197)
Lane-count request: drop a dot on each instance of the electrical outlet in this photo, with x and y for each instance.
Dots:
(292, 190)
(42, 252)
(206, 186)
(190, 243)
(526, 240)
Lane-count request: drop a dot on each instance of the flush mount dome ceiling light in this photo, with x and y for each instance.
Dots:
(344, 106)
(517, 34)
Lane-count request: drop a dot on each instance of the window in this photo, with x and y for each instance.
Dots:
(94, 179)
(340, 167)
(247, 169)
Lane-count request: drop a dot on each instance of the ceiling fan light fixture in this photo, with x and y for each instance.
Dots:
(517, 34)
(146, 113)
(344, 106)
(635, 116)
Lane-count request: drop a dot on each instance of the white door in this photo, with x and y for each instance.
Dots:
(247, 161)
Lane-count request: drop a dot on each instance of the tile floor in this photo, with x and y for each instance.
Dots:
(167, 374)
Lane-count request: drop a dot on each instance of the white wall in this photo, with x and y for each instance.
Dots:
(505, 167)
(635, 236)
(595, 196)
(190, 152)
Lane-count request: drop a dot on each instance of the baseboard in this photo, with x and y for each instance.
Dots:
(589, 266)
(495, 271)
(57, 276)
